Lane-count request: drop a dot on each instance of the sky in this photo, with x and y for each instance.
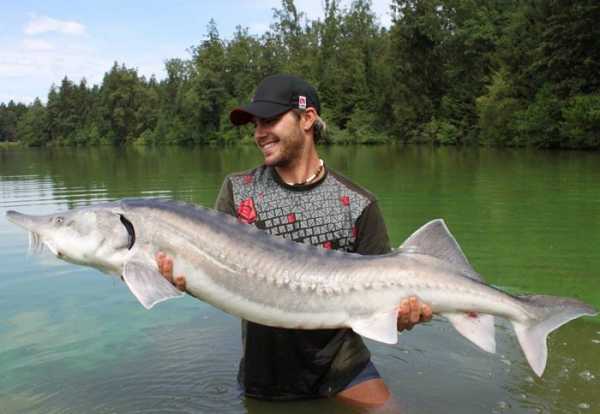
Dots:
(41, 42)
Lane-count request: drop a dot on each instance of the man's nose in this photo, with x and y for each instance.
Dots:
(259, 130)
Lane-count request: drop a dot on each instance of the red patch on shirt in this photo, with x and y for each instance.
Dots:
(354, 232)
(328, 245)
(248, 179)
(291, 218)
(246, 211)
(345, 200)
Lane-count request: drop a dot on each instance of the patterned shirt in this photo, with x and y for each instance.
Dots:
(333, 213)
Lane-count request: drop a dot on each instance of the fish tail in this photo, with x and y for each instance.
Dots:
(549, 313)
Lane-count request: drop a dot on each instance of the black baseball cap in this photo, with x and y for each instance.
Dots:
(275, 95)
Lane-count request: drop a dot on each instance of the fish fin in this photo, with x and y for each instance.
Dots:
(147, 284)
(550, 313)
(476, 327)
(380, 327)
(434, 239)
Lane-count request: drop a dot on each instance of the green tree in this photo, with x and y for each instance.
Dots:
(496, 112)
(205, 101)
(8, 124)
(120, 97)
(581, 125)
(568, 53)
(32, 127)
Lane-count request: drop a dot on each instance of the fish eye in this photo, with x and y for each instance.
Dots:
(59, 220)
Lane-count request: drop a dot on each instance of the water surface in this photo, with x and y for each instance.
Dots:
(73, 340)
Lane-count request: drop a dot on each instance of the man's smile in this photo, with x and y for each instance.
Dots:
(268, 144)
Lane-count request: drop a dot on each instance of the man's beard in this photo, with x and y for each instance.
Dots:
(291, 148)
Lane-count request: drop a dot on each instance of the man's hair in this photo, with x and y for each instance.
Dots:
(319, 127)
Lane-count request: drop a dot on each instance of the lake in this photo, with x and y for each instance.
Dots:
(73, 340)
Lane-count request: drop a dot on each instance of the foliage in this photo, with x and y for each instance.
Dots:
(496, 112)
(539, 123)
(581, 124)
(449, 72)
(9, 117)
(31, 128)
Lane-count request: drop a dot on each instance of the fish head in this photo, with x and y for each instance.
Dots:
(97, 237)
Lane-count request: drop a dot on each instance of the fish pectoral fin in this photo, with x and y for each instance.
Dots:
(380, 327)
(476, 327)
(148, 285)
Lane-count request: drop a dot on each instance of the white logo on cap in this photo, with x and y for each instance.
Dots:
(302, 102)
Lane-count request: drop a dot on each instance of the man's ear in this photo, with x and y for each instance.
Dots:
(309, 119)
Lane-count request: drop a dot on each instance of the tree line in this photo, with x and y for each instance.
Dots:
(490, 72)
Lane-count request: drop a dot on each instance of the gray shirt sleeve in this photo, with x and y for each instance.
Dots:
(372, 237)
(224, 202)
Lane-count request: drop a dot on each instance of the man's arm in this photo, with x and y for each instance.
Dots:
(372, 238)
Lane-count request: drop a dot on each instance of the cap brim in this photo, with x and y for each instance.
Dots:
(264, 110)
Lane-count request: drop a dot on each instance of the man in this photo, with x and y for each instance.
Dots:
(294, 195)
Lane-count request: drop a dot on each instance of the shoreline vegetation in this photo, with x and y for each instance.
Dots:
(446, 72)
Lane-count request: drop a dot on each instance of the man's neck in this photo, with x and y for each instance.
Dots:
(302, 171)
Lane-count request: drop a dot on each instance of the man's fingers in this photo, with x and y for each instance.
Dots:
(404, 312)
(165, 266)
(180, 283)
(411, 312)
(415, 310)
(426, 312)
(168, 269)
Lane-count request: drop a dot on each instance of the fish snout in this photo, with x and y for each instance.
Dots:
(16, 218)
(28, 222)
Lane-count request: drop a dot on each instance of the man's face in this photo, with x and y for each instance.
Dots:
(280, 139)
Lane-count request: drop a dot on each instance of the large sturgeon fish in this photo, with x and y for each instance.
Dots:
(272, 281)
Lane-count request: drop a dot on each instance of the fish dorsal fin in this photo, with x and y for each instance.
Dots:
(434, 239)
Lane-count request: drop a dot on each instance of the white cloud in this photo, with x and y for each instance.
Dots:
(37, 44)
(26, 99)
(29, 71)
(44, 24)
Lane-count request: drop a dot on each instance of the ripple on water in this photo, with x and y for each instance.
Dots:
(587, 375)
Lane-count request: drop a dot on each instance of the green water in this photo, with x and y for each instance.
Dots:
(75, 341)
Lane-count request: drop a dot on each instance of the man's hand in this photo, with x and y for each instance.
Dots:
(165, 267)
(411, 312)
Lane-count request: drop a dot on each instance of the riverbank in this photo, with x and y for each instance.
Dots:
(9, 144)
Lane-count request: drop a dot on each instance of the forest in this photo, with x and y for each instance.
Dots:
(448, 72)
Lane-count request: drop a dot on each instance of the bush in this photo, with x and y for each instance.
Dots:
(359, 130)
(581, 125)
(440, 131)
(496, 112)
(539, 124)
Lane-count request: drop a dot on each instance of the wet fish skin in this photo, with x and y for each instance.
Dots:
(272, 281)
